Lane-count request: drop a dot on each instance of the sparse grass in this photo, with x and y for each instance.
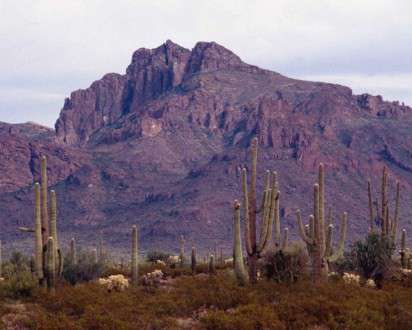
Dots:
(216, 302)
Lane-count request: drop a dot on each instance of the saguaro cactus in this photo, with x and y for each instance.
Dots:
(58, 256)
(135, 256)
(388, 223)
(318, 236)
(38, 240)
(240, 271)
(270, 214)
(182, 250)
(51, 265)
(44, 209)
(193, 260)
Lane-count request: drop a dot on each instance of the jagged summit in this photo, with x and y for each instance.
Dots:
(161, 145)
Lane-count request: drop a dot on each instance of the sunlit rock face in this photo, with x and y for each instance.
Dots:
(162, 144)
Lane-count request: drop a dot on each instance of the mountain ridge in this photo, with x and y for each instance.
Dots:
(161, 145)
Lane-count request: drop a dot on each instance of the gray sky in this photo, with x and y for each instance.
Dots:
(49, 48)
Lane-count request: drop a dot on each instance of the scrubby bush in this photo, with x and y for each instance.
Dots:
(285, 266)
(85, 270)
(18, 279)
(372, 257)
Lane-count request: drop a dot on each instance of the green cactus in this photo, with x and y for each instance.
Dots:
(193, 260)
(135, 256)
(318, 236)
(269, 209)
(58, 256)
(239, 266)
(182, 250)
(51, 265)
(44, 209)
(73, 251)
(38, 240)
(389, 225)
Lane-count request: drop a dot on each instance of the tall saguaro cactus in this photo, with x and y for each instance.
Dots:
(256, 247)
(318, 236)
(388, 223)
(135, 256)
(44, 209)
(240, 271)
(38, 240)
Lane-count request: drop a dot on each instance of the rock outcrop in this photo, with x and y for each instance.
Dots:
(162, 144)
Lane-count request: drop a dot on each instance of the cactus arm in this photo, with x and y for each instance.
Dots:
(53, 223)
(26, 230)
(302, 231)
(248, 242)
(266, 188)
(330, 218)
(370, 204)
(384, 201)
(317, 228)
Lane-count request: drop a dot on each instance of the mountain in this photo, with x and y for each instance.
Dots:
(162, 144)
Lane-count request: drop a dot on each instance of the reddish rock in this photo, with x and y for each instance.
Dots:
(162, 146)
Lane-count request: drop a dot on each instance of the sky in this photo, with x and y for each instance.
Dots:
(48, 48)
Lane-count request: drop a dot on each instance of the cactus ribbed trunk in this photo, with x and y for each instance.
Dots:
(51, 265)
(53, 223)
(240, 272)
(44, 208)
(135, 256)
(38, 239)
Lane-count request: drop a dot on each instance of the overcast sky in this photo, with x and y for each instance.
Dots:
(49, 48)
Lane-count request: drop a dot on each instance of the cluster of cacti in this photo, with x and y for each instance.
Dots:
(388, 224)
(269, 209)
(48, 258)
(318, 234)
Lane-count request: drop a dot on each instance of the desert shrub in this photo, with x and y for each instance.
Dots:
(153, 256)
(85, 270)
(372, 257)
(19, 281)
(285, 266)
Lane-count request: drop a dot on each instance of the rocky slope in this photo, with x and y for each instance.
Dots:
(161, 146)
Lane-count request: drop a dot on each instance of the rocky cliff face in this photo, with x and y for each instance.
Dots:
(161, 145)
